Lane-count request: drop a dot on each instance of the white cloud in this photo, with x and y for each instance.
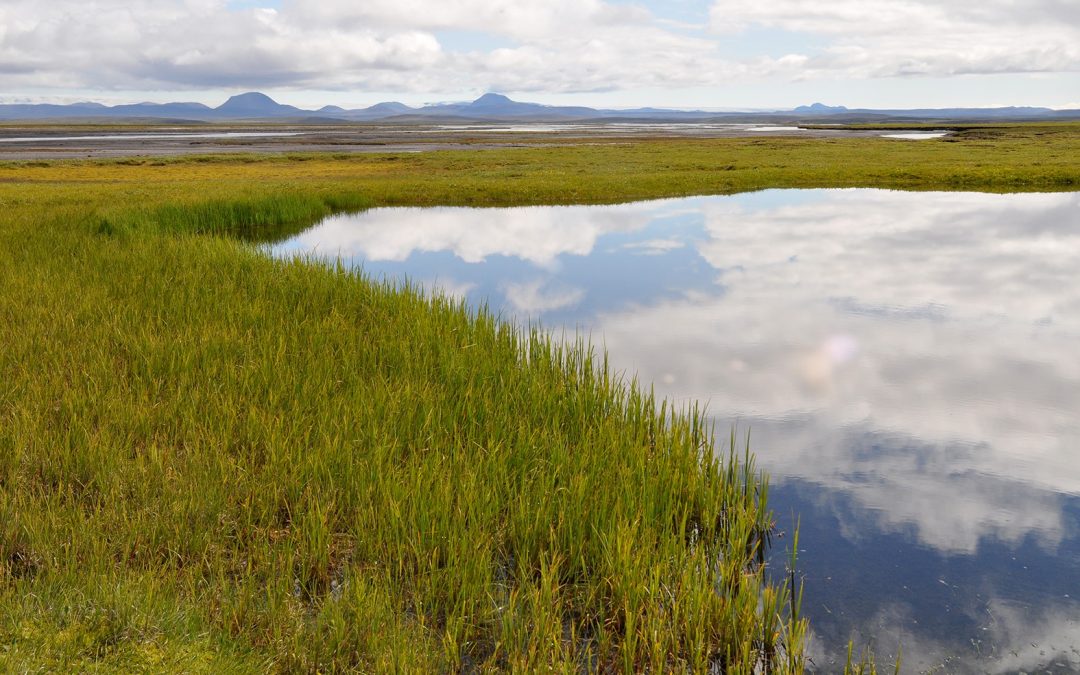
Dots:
(564, 45)
(881, 38)
(521, 19)
(556, 46)
(655, 246)
(111, 44)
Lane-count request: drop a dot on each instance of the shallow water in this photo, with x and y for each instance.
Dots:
(915, 136)
(907, 364)
(156, 136)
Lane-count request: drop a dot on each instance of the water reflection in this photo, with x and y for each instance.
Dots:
(906, 362)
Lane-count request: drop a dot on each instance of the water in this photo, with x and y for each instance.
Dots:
(915, 136)
(155, 136)
(907, 364)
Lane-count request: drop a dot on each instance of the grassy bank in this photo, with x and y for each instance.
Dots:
(212, 461)
(310, 471)
(1000, 159)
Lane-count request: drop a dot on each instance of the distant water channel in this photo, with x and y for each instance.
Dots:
(152, 136)
(908, 365)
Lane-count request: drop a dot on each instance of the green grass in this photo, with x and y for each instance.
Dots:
(211, 461)
(295, 462)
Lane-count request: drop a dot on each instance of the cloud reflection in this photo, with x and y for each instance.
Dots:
(540, 296)
(1012, 641)
(956, 328)
(538, 235)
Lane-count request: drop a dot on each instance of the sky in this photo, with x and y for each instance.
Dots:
(709, 54)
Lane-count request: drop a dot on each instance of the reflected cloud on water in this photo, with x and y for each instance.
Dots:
(538, 235)
(906, 363)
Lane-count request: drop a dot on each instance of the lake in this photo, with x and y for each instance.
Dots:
(907, 365)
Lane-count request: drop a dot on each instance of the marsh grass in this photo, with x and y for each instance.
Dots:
(215, 461)
(260, 218)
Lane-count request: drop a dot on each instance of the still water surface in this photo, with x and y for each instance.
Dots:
(153, 136)
(908, 365)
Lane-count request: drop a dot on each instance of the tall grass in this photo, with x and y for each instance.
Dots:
(260, 218)
(209, 459)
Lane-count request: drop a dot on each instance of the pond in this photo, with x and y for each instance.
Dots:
(907, 364)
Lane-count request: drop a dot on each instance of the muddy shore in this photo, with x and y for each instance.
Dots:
(37, 142)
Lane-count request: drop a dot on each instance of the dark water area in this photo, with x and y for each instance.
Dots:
(907, 365)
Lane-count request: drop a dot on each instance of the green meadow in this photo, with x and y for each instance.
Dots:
(212, 461)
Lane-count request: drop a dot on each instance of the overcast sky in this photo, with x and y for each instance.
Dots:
(679, 53)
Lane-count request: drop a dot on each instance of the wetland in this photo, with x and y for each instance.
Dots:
(217, 456)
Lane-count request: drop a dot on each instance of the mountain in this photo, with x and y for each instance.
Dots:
(498, 108)
(821, 109)
(1011, 113)
(494, 101)
(389, 108)
(255, 104)
(931, 113)
(497, 105)
(493, 107)
(173, 110)
(378, 111)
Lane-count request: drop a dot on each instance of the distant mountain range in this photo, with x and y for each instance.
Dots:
(496, 108)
